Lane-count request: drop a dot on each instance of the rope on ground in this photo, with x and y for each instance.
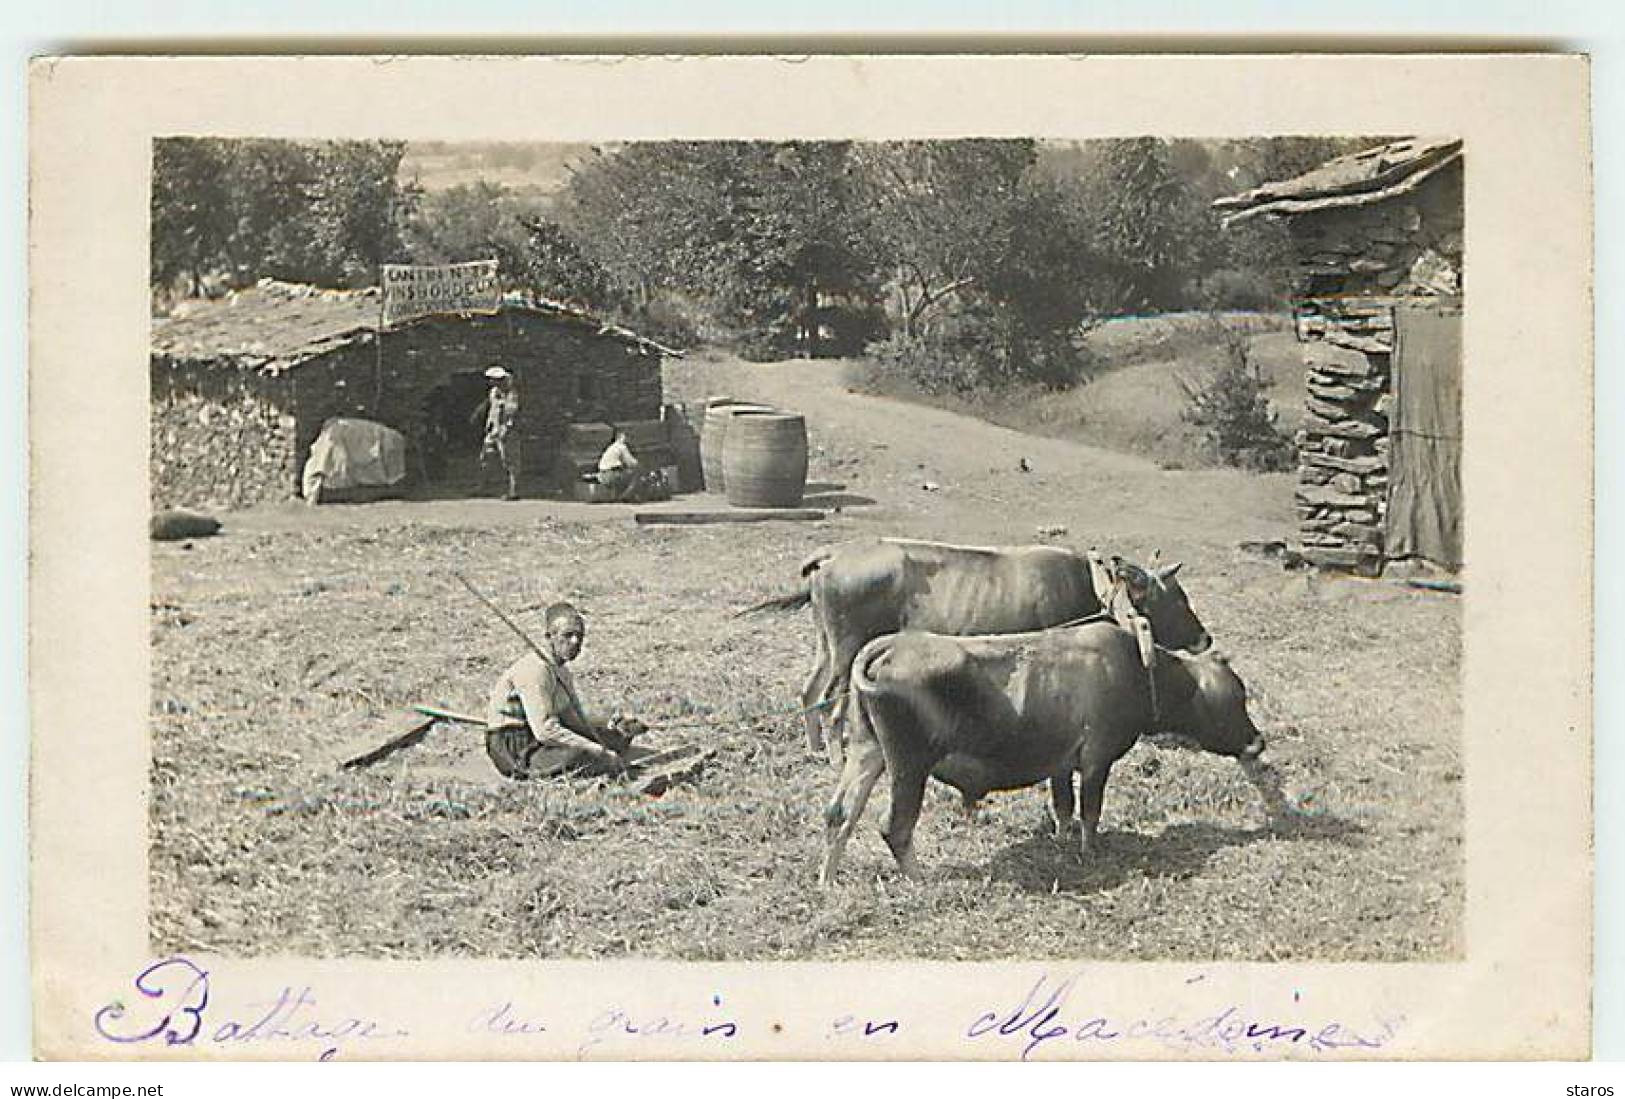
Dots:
(747, 719)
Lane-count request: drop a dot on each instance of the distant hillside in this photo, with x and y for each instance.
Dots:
(537, 168)
(1134, 403)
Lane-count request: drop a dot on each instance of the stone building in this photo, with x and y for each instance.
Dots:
(1378, 241)
(241, 386)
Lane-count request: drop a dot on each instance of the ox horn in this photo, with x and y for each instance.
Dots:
(1166, 573)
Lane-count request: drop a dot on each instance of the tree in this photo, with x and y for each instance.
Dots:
(1147, 222)
(239, 210)
(940, 213)
(556, 266)
(471, 221)
(191, 211)
(753, 230)
(358, 211)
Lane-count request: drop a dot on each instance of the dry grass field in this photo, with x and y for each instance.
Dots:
(297, 636)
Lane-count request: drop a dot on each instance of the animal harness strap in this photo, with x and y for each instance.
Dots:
(1148, 657)
(1100, 579)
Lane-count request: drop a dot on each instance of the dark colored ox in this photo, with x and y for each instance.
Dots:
(862, 590)
(1002, 712)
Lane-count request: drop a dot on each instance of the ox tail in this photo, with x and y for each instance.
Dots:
(869, 658)
(791, 602)
(795, 600)
(862, 688)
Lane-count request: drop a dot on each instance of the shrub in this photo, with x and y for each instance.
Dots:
(1231, 410)
(669, 319)
(1238, 288)
(980, 348)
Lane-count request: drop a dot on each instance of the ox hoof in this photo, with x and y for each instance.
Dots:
(1090, 850)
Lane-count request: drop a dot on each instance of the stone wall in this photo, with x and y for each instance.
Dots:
(1408, 245)
(219, 438)
(1354, 263)
(1342, 495)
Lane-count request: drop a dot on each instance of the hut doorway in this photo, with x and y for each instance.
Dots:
(1424, 501)
(456, 426)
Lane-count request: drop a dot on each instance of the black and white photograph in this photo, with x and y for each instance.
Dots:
(1013, 546)
(536, 478)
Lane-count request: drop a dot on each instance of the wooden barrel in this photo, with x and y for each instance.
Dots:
(765, 459)
(713, 439)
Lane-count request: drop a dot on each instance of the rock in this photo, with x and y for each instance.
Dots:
(1331, 392)
(1328, 410)
(1347, 428)
(1316, 495)
(1351, 342)
(1330, 358)
(1338, 557)
(1359, 532)
(1368, 463)
(175, 525)
(1270, 548)
(1346, 483)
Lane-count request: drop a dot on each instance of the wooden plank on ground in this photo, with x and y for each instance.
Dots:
(726, 515)
(417, 727)
(659, 773)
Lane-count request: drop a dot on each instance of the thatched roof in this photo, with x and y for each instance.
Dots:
(275, 326)
(1371, 175)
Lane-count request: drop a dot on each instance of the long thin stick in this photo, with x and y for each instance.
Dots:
(496, 610)
(449, 715)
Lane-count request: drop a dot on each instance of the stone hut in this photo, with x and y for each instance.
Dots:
(1378, 241)
(241, 385)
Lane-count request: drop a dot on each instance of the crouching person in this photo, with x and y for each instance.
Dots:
(536, 726)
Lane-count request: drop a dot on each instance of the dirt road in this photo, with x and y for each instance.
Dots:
(889, 452)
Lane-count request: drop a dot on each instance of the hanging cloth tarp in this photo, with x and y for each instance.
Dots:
(1424, 500)
(354, 459)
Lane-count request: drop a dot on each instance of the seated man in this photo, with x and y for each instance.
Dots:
(618, 466)
(535, 723)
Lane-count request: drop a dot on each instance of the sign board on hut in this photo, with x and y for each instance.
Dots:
(417, 291)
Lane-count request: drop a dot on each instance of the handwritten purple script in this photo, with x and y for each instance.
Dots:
(1044, 1016)
(172, 1008)
(619, 1024)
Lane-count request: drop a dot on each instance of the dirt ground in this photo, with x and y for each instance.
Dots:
(298, 636)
